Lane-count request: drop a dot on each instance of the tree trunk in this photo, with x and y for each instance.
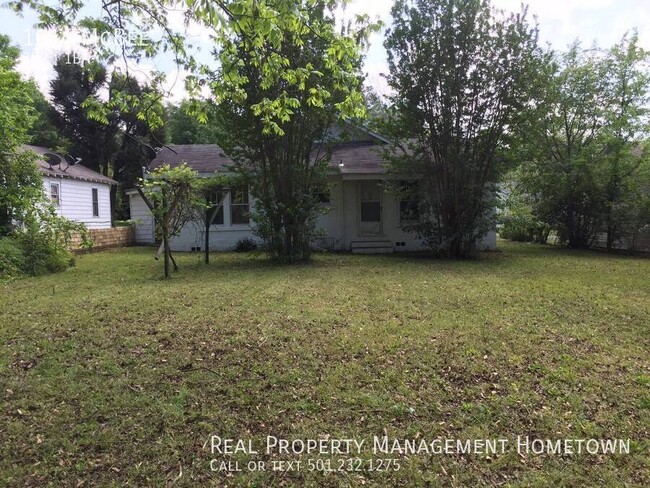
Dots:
(166, 251)
(206, 243)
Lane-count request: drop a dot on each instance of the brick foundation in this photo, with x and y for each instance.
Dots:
(103, 238)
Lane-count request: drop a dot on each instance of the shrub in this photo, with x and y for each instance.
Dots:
(42, 255)
(524, 228)
(44, 239)
(245, 244)
(12, 258)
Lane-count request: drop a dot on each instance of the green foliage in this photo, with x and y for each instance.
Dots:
(12, 259)
(184, 127)
(173, 197)
(272, 23)
(279, 92)
(245, 244)
(44, 132)
(460, 71)
(517, 222)
(75, 92)
(20, 180)
(584, 167)
(45, 239)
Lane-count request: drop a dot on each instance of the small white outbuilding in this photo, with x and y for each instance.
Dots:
(78, 193)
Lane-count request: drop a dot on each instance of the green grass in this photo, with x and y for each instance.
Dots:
(111, 376)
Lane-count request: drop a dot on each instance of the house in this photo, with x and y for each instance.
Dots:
(363, 214)
(78, 193)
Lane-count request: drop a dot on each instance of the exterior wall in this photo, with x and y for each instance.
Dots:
(76, 203)
(192, 237)
(144, 227)
(339, 225)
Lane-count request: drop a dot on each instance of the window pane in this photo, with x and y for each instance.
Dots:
(239, 206)
(54, 194)
(239, 214)
(218, 218)
(370, 212)
(239, 196)
(95, 203)
(409, 208)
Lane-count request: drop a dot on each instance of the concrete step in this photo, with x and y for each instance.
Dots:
(371, 247)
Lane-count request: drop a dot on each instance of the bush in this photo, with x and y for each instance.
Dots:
(245, 244)
(42, 255)
(12, 258)
(44, 239)
(524, 229)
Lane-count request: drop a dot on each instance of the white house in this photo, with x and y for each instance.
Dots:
(78, 193)
(363, 215)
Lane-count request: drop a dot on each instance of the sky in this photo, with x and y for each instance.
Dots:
(561, 22)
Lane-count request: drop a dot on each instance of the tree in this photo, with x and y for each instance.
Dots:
(20, 179)
(94, 141)
(580, 146)
(172, 197)
(126, 95)
(278, 98)
(44, 131)
(459, 71)
(184, 128)
(127, 32)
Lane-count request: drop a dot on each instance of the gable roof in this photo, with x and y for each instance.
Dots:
(358, 157)
(74, 172)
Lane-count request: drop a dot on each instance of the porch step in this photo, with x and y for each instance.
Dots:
(371, 247)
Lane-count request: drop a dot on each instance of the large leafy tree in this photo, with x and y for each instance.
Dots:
(127, 32)
(460, 71)
(44, 131)
(581, 146)
(278, 97)
(183, 127)
(126, 95)
(20, 180)
(74, 85)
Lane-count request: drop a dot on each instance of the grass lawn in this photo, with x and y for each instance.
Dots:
(111, 376)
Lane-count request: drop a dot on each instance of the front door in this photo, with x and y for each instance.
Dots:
(370, 193)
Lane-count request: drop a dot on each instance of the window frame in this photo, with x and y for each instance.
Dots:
(216, 197)
(57, 202)
(95, 201)
(233, 206)
(411, 201)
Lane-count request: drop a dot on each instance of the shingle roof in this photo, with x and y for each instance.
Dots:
(75, 172)
(360, 157)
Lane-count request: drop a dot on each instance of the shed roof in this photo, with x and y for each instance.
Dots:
(75, 172)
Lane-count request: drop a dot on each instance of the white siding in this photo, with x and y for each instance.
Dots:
(340, 225)
(76, 201)
(140, 214)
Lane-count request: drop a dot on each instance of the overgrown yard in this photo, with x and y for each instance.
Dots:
(111, 376)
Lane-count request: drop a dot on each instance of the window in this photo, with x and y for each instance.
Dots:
(215, 199)
(95, 203)
(54, 194)
(324, 197)
(239, 206)
(409, 207)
